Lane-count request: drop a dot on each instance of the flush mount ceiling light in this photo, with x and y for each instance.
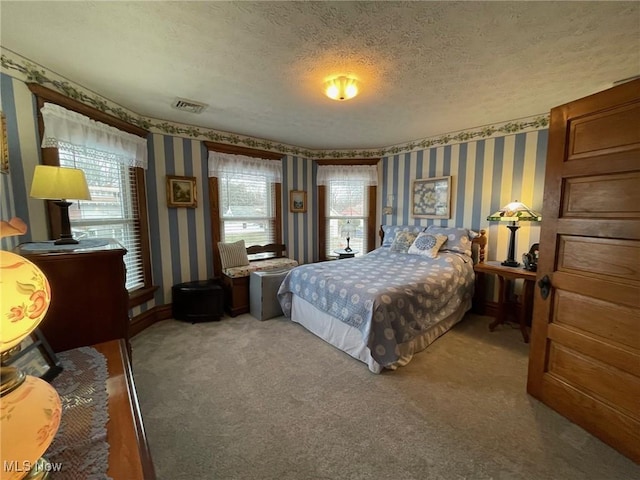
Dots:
(341, 88)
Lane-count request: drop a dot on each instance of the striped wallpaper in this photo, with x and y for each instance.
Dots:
(486, 174)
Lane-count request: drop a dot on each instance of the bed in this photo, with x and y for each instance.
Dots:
(385, 306)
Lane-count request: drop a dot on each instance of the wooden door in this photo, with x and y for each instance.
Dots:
(585, 349)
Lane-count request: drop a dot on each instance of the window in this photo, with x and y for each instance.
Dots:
(347, 201)
(248, 204)
(113, 209)
(113, 155)
(347, 194)
(247, 209)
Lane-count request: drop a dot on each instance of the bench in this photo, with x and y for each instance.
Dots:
(235, 280)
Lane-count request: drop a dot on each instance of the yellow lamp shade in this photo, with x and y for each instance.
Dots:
(58, 183)
(24, 298)
(29, 419)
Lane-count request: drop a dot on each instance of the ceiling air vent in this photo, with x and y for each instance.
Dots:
(189, 105)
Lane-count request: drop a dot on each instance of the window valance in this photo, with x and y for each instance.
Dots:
(226, 163)
(82, 134)
(366, 173)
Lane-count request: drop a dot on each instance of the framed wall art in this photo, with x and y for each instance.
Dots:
(431, 198)
(4, 146)
(298, 201)
(181, 191)
(35, 357)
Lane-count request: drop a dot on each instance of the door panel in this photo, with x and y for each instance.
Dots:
(619, 260)
(585, 348)
(595, 378)
(601, 196)
(611, 321)
(604, 131)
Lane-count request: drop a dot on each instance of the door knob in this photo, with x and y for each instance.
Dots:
(545, 286)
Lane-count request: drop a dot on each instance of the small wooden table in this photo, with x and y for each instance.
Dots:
(342, 253)
(510, 273)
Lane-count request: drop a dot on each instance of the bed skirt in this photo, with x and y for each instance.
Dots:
(350, 339)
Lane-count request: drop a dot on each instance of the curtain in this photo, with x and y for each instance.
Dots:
(225, 163)
(364, 173)
(88, 137)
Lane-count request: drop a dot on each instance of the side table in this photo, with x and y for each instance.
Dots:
(342, 253)
(505, 273)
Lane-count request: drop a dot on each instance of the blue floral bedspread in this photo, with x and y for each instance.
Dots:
(390, 297)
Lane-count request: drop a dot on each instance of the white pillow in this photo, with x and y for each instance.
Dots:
(233, 254)
(427, 244)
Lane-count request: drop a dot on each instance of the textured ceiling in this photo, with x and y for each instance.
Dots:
(425, 68)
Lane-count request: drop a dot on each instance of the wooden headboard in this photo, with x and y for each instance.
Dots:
(480, 242)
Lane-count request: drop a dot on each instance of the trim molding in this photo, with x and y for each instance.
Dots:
(148, 318)
(19, 67)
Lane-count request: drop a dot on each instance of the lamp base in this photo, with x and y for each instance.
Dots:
(10, 379)
(66, 241)
(510, 263)
(66, 237)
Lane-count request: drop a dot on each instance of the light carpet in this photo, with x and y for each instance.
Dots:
(244, 399)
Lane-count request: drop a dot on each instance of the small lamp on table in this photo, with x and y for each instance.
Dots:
(60, 184)
(514, 213)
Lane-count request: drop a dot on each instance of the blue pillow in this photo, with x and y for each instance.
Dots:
(390, 232)
(458, 239)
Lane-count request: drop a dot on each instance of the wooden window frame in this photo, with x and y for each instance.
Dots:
(322, 208)
(214, 196)
(50, 157)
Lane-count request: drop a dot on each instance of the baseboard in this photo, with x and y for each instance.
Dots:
(148, 318)
(164, 312)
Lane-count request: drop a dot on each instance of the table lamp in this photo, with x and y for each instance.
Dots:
(60, 184)
(347, 232)
(514, 213)
(30, 408)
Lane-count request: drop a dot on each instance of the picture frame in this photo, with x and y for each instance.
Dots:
(431, 198)
(35, 357)
(298, 201)
(181, 191)
(4, 145)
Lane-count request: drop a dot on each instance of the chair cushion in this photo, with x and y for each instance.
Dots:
(233, 254)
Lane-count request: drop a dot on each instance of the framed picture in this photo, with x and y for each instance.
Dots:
(4, 147)
(35, 357)
(431, 198)
(298, 201)
(181, 191)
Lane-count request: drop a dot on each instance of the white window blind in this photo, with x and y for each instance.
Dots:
(347, 200)
(112, 212)
(247, 200)
(109, 158)
(247, 208)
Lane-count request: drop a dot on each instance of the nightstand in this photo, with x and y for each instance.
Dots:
(510, 273)
(342, 253)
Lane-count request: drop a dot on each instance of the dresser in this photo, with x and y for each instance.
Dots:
(89, 301)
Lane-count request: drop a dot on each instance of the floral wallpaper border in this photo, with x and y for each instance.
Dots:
(20, 67)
